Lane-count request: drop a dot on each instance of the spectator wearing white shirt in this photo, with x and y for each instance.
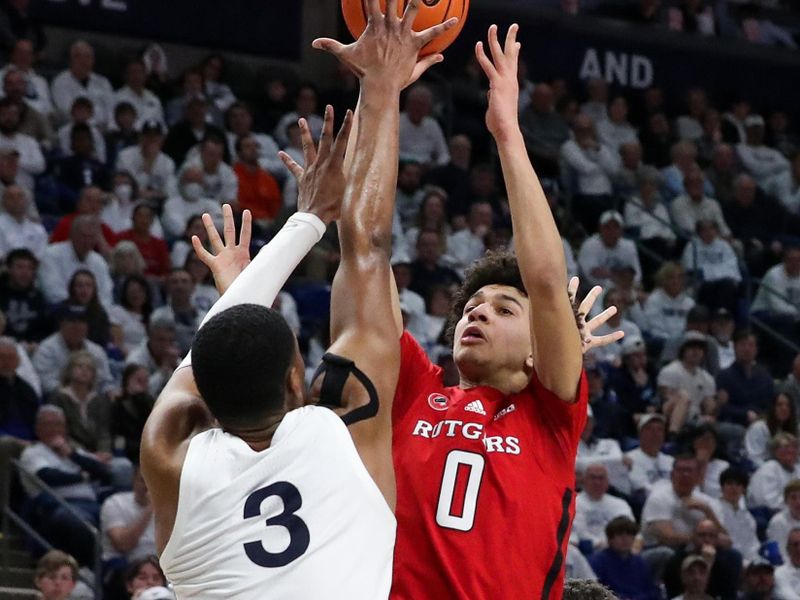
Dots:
(605, 249)
(409, 194)
(126, 522)
(421, 137)
(787, 576)
(61, 260)
(120, 203)
(37, 94)
(146, 103)
(81, 112)
(592, 166)
(612, 353)
(673, 511)
(52, 355)
(32, 122)
(158, 353)
(306, 108)
(219, 180)
(686, 388)
(153, 170)
(179, 308)
(667, 307)
(769, 481)
(188, 202)
(615, 130)
(694, 206)
(467, 246)
(715, 261)
(704, 442)
(761, 161)
(781, 416)
(787, 519)
(648, 465)
(736, 519)
(240, 124)
(689, 126)
(80, 80)
(778, 297)
(785, 186)
(596, 106)
(31, 159)
(417, 322)
(601, 451)
(17, 230)
(216, 90)
(595, 508)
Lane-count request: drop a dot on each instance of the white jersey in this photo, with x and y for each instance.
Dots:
(301, 519)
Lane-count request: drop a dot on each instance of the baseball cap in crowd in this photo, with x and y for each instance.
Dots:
(759, 563)
(649, 418)
(618, 267)
(612, 215)
(156, 593)
(693, 559)
(693, 338)
(151, 126)
(632, 345)
(754, 121)
(72, 312)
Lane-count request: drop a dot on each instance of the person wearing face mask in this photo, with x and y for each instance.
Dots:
(118, 210)
(188, 202)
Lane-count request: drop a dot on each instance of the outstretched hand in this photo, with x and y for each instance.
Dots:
(321, 183)
(388, 50)
(587, 329)
(502, 114)
(226, 260)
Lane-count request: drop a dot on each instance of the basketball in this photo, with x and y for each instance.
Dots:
(431, 13)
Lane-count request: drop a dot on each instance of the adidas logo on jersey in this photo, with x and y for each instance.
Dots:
(475, 406)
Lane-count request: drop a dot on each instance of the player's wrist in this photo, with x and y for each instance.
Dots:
(308, 219)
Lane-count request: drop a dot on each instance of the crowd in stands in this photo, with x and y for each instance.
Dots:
(688, 467)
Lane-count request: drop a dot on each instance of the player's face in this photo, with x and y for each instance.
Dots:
(493, 334)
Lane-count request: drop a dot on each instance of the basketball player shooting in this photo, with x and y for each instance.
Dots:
(486, 470)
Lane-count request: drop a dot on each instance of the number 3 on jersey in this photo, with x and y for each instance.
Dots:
(459, 513)
(299, 537)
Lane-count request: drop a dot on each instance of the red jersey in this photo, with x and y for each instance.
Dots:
(485, 486)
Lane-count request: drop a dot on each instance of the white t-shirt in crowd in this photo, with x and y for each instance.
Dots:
(121, 510)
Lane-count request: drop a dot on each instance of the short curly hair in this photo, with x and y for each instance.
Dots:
(495, 268)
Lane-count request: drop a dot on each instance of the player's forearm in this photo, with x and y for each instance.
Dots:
(536, 238)
(368, 207)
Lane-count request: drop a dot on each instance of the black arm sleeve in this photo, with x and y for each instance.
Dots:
(94, 467)
(57, 477)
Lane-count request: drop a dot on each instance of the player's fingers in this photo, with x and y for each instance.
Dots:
(290, 163)
(213, 235)
(601, 319)
(330, 45)
(423, 65)
(412, 9)
(342, 138)
(204, 255)
(309, 151)
(494, 47)
(374, 10)
(228, 226)
(591, 298)
(247, 229)
(423, 37)
(326, 139)
(511, 40)
(572, 289)
(605, 340)
(391, 11)
(483, 61)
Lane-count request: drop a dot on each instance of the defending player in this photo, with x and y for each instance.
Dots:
(485, 470)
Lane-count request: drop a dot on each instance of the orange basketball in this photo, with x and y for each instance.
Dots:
(431, 13)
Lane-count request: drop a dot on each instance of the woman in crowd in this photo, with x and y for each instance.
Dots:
(130, 411)
(130, 316)
(182, 248)
(432, 216)
(146, 581)
(703, 441)
(781, 417)
(83, 292)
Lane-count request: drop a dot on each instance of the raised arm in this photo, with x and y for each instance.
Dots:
(363, 328)
(556, 342)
